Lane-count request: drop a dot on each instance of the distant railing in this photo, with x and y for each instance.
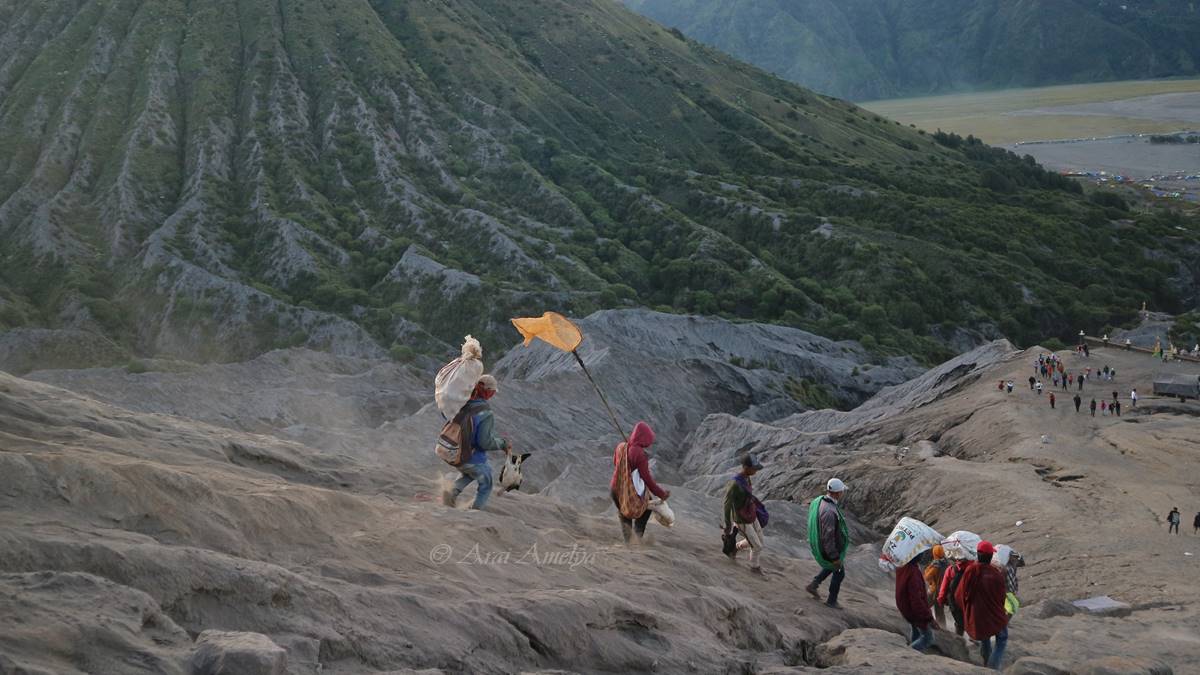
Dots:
(1134, 348)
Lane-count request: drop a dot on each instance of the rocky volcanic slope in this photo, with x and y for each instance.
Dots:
(140, 511)
(211, 180)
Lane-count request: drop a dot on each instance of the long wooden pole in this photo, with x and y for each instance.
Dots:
(603, 399)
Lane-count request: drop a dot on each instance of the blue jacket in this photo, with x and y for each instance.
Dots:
(485, 439)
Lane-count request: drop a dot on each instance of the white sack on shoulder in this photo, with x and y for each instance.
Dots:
(961, 545)
(1000, 558)
(456, 380)
(908, 539)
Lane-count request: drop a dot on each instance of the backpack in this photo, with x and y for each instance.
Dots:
(952, 590)
(455, 444)
(630, 504)
(752, 509)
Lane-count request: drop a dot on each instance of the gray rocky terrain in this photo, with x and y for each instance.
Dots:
(282, 514)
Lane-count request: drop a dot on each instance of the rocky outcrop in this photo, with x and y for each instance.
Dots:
(229, 653)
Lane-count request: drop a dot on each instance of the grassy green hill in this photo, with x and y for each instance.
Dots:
(872, 49)
(214, 179)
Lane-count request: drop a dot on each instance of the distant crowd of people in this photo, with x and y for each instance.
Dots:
(1051, 366)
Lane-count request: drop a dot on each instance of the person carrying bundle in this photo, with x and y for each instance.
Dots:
(745, 511)
(946, 594)
(933, 581)
(475, 436)
(981, 595)
(631, 480)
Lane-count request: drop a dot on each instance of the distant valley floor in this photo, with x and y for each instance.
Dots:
(1091, 128)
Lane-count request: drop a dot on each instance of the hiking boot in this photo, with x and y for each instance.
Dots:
(812, 590)
(833, 605)
(757, 571)
(448, 498)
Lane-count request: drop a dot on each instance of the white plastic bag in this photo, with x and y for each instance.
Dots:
(961, 545)
(662, 512)
(456, 380)
(1003, 552)
(908, 539)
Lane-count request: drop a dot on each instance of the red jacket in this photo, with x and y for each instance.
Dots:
(911, 599)
(943, 598)
(641, 438)
(981, 596)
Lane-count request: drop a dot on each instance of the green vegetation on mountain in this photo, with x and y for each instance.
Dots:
(214, 179)
(871, 49)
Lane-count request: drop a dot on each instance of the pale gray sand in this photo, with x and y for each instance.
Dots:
(1182, 107)
(1131, 156)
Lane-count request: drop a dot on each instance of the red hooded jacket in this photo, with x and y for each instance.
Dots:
(641, 438)
(911, 599)
(981, 596)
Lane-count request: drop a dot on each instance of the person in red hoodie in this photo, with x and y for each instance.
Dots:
(946, 593)
(913, 604)
(981, 596)
(639, 467)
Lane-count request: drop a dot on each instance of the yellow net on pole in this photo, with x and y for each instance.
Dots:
(551, 328)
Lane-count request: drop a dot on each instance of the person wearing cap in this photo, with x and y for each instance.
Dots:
(933, 581)
(913, 603)
(829, 539)
(981, 595)
(484, 440)
(741, 510)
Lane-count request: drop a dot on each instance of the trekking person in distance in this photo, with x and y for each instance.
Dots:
(829, 538)
(1173, 521)
(483, 440)
(741, 509)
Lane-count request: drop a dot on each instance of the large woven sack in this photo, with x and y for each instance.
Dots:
(456, 380)
(631, 502)
(908, 539)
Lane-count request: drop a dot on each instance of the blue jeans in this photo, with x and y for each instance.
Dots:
(993, 657)
(478, 473)
(834, 586)
(921, 637)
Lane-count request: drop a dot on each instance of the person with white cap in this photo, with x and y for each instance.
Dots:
(829, 539)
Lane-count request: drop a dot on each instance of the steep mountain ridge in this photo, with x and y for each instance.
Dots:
(214, 180)
(870, 49)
